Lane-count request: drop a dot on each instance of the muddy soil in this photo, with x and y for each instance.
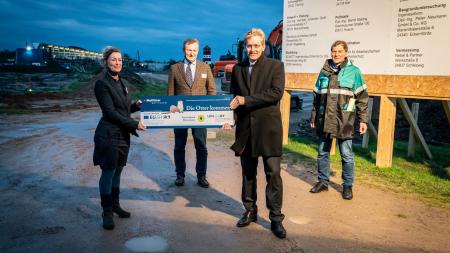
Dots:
(50, 201)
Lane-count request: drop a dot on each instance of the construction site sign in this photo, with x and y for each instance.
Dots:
(385, 37)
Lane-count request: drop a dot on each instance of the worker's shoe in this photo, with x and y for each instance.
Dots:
(347, 192)
(277, 229)
(107, 215)
(203, 182)
(319, 187)
(116, 205)
(179, 181)
(247, 218)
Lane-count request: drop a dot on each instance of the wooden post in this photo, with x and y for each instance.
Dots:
(386, 126)
(409, 117)
(366, 136)
(285, 108)
(333, 147)
(412, 138)
(446, 105)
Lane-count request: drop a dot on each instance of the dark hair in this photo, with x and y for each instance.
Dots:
(190, 41)
(340, 42)
(107, 51)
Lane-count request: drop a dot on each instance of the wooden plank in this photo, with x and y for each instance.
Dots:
(333, 147)
(285, 108)
(425, 87)
(446, 105)
(385, 143)
(410, 118)
(412, 138)
(366, 136)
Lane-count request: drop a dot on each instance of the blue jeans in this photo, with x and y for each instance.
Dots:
(323, 160)
(199, 135)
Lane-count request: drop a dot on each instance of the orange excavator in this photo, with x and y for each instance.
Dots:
(219, 66)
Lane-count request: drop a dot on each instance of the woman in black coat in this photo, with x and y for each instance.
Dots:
(112, 136)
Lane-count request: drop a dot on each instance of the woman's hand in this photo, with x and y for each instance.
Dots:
(141, 127)
(226, 127)
(174, 109)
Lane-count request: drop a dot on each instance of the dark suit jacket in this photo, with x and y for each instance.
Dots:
(260, 117)
(114, 128)
(203, 82)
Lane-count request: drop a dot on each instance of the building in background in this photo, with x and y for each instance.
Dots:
(207, 55)
(43, 54)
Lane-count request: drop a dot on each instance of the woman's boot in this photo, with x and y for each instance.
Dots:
(107, 215)
(116, 204)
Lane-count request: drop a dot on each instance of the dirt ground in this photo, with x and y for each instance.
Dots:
(50, 201)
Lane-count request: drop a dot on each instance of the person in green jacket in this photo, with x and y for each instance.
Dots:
(340, 95)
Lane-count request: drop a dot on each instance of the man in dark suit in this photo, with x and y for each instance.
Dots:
(258, 85)
(186, 78)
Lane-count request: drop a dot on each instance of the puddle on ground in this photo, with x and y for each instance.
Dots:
(146, 244)
(300, 220)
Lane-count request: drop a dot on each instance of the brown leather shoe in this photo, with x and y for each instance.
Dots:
(203, 182)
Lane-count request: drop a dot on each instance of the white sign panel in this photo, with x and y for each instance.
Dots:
(388, 37)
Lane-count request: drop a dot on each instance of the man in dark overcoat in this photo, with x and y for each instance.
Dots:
(258, 85)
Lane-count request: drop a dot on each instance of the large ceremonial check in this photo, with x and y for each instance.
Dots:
(205, 111)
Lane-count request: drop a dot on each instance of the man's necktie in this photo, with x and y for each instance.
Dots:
(189, 75)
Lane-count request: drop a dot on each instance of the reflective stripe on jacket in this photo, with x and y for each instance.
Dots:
(339, 96)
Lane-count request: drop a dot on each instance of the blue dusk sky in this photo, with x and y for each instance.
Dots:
(156, 28)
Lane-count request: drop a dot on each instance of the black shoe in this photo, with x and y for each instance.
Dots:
(247, 218)
(319, 187)
(179, 181)
(203, 182)
(278, 229)
(347, 192)
(108, 222)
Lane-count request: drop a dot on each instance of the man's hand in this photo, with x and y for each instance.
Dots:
(236, 102)
(312, 124)
(141, 127)
(138, 103)
(362, 128)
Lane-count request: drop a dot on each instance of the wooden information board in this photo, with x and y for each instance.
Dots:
(401, 46)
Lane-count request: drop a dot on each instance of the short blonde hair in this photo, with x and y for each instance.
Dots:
(107, 51)
(256, 32)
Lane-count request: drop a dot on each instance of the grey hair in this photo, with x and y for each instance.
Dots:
(189, 41)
